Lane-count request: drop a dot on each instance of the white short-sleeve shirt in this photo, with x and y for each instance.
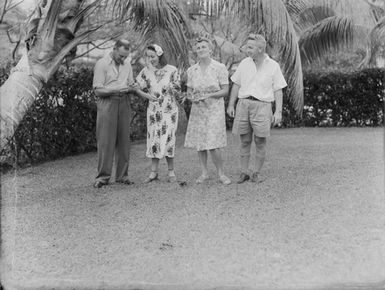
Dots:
(260, 83)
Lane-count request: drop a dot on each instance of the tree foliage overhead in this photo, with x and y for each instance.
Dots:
(328, 26)
(160, 21)
(57, 27)
(328, 34)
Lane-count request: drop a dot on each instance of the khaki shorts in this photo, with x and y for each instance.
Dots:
(253, 115)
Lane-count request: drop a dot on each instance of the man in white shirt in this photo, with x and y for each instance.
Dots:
(257, 82)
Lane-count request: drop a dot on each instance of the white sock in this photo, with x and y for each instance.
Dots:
(153, 174)
(171, 172)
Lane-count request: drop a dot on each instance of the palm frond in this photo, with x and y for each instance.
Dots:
(57, 60)
(227, 33)
(312, 15)
(329, 34)
(306, 13)
(377, 36)
(295, 7)
(48, 28)
(159, 17)
(380, 4)
(377, 8)
(74, 22)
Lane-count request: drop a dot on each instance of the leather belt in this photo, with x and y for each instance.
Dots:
(118, 96)
(252, 99)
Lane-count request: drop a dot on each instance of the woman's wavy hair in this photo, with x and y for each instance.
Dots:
(162, 58)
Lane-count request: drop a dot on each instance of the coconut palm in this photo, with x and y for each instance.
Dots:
(324, 26)
(56, 27)
(302, 30)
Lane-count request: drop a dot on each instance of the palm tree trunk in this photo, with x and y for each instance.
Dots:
(47, 47)
(16, 95)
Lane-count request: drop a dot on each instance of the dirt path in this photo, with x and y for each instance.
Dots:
(317, 221)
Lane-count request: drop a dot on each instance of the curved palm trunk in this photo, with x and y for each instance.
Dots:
(17, 94)
(49, 39)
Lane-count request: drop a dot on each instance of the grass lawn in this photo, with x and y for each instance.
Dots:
(316, 221)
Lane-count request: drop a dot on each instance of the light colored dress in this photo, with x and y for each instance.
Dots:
(162, 116)
(206, 128)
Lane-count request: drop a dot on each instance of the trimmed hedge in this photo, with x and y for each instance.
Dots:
(340, 99)
(62, 120)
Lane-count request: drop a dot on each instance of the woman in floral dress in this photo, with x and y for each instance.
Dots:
(159, 83)
(207, 85)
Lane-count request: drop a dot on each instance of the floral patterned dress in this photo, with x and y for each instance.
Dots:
(206, 128)
(162, 115)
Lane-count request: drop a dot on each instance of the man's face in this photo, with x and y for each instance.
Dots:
(254, 48)
(119, 54)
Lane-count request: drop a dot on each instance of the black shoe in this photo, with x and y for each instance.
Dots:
(243, 177)
(254, 177)
(125, 181)
(99, 184)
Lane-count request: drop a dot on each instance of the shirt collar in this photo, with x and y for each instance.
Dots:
(266, 57)
(111, 61)
(109, 58)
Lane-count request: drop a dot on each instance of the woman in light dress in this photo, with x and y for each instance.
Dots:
(207, 85)
(159, 82)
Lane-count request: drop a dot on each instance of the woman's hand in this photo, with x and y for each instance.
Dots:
(144, 94)
(134, 87)
(123, 90)
(183, 98)
(151, 98)
(230, 111)
(205, 96)
(197, 98)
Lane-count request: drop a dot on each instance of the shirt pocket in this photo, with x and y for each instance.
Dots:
(266, 81)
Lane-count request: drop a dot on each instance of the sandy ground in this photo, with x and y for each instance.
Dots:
(316, 221)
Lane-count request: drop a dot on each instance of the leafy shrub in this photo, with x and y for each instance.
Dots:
(4, 71)
(60, 122)
(340, 99)
(138, 121)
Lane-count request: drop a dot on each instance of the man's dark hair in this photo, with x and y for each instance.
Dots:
(122, 42)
